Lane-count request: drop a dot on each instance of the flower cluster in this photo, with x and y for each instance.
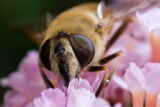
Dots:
(143, 84)
(78, 95)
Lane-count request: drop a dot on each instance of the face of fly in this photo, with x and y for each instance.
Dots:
(67, 55)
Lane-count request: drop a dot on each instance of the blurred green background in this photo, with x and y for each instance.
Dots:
(13, 46)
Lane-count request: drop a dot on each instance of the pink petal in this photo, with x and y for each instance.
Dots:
(135, 80)
(53, 78)
(150, 19)
(134, 77)
(101, 103)
(80, 95)
(94, 78)
(158, 101)
(78, 84)
(118, 105)
(84, 98)
(80, 98)
(152, 84)
(29, 66)
(14, 99)
(120, 81)
(51, 98)
(150, 67)
(16, 80)
(79, 88)
(62, 86)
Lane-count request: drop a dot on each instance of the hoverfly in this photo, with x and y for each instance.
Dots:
(76, 39)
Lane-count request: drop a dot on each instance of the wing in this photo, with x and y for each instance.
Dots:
(110, 11)
(33, 27)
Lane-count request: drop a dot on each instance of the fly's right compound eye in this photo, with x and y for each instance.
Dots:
(83, 48)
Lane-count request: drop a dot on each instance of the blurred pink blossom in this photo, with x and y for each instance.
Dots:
(26, 82)
(150, 19)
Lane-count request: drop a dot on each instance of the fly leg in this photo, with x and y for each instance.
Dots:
(109, 58)
(103, 83)
(46, 80)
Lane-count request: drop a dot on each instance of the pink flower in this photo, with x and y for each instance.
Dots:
(78, 95)
(26, 83)
(143, 82)
(150, 19)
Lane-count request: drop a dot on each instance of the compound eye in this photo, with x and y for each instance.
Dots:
(44, 54)
(83, 48)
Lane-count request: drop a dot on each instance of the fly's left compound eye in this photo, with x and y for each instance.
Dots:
(83, 48)
(44, 54)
